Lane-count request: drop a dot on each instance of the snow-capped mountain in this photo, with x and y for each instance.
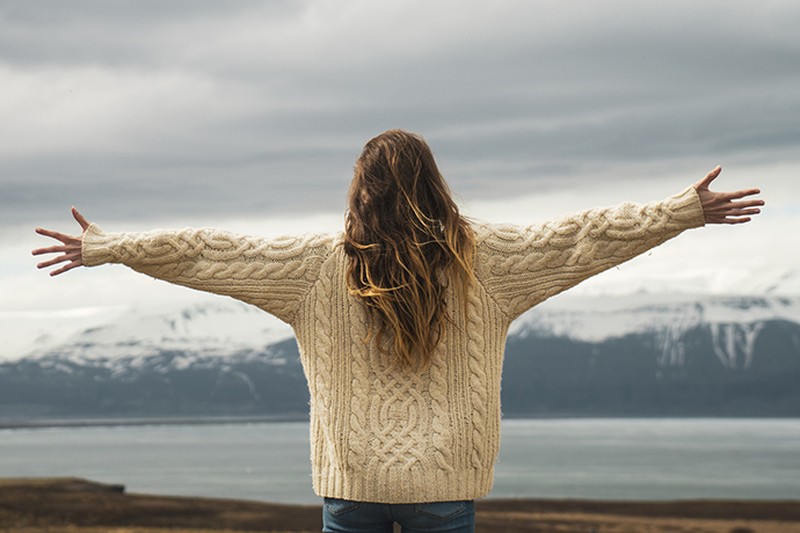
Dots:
(734, 323)
(216, 327)
(636, 354)
(605, 307)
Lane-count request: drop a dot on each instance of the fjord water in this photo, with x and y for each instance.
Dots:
(550, 458)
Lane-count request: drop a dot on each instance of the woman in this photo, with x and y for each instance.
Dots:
(402, 319)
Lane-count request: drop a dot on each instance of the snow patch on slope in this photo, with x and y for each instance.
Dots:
(734, 322)
(215, 327)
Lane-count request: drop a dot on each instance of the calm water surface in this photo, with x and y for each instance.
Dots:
(576, 458)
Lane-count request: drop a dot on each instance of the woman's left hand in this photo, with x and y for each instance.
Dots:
(726, 207)
(70, 248)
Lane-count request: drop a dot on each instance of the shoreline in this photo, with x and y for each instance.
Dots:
(35, 505)
(43, 423)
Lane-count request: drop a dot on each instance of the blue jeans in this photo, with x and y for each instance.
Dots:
(345, 516)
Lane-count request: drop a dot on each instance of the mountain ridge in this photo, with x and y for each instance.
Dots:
(674, 355)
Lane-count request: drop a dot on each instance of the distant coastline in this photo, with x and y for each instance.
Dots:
(147, 421)
(34, 423)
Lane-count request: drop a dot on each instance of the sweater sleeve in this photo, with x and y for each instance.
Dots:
(272, 274)
(523, 266)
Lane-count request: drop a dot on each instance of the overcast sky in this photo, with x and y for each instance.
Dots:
(249, 115)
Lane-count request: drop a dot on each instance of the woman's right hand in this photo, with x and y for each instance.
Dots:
(70, 248)
(726, 207)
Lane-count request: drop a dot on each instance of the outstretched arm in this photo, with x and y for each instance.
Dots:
(273, 274)
(523, 266)
(70, 248)
(726, 207)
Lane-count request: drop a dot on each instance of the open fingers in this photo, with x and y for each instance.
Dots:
(740, 212)
(735, 195)
(50, 250)
(733, 220)
(723, 205)
(69, 249)
(60, 259)
(728, 212)
(715, 200)
(65, 268)
(733, 211)
(728, 219)
(747, 203)
(63, 237)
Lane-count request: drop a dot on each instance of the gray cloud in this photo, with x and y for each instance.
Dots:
(252, 107)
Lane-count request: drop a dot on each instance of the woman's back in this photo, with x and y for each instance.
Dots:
(392, 433)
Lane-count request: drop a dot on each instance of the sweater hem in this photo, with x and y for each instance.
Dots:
(407, 487)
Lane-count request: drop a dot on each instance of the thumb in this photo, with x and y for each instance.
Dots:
(80, 218)
(711, 176)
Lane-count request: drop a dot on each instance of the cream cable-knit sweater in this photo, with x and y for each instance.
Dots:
(379, 434)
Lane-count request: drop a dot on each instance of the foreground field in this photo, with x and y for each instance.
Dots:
(78, 506)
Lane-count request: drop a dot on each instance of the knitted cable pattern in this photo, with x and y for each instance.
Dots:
(272, 274)
(478, 379)
(441, 424)
(324, 439)
(379, 433)
(527, 265)
(363, 376)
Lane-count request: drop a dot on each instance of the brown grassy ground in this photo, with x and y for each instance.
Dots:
(71, 505)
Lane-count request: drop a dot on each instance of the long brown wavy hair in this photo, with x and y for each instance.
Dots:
(406, 241)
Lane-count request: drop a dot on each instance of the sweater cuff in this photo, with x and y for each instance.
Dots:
(687, 208)
(96, 246)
